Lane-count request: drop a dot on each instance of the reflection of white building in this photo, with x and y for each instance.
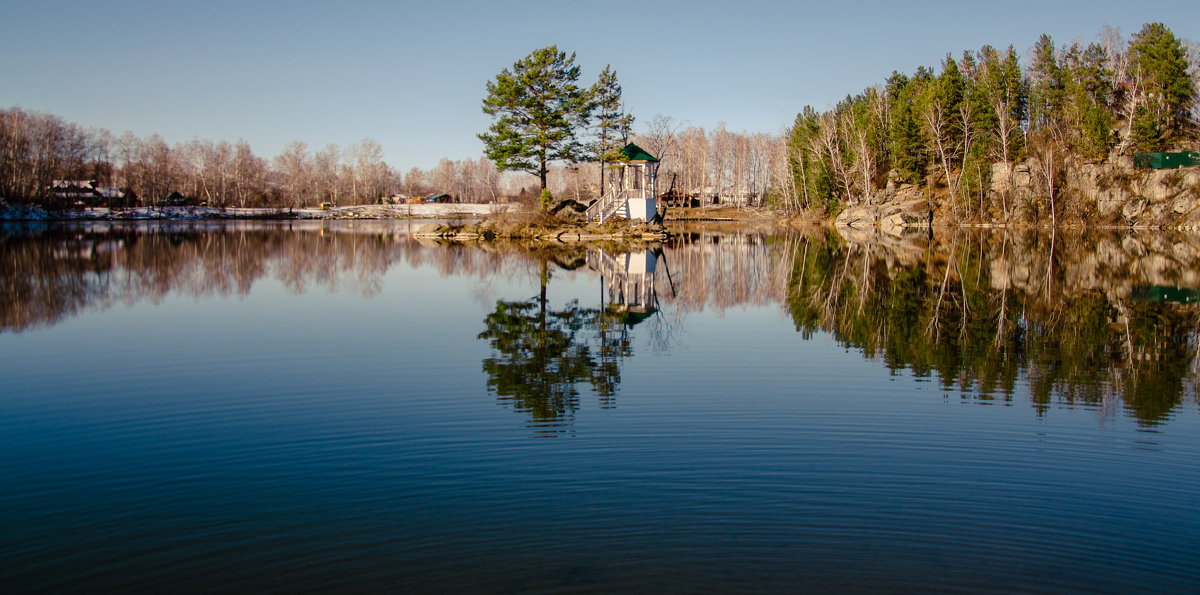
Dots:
(635, 198)
(628, 280)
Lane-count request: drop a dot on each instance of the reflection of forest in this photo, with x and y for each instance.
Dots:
(1068, 312)
(1106, 320)
(718, 270)
(51, 273)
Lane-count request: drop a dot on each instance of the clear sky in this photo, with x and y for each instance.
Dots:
(411, 75)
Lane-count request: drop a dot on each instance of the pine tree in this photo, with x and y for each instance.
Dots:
(1161, 62)
(1088, 86)
(909, 154)
(612, 124)
(1045, 86)
(539, 113)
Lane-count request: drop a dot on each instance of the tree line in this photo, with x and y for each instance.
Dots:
(944, 130)
(940, 130)
(37, 150)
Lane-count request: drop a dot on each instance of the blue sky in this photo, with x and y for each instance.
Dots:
(411, 75)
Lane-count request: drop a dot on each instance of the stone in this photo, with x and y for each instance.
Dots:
(1112, 200)
(1185, 203)
(1157, 186)
(1022, 177)
(859, 216)
(1133, 209)
(1157, 214)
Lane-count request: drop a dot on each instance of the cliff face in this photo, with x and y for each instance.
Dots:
(1110, 193)
(1095, 194)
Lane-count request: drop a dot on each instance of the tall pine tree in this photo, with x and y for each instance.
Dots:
(1160, 61)
(612, 125)
(539, 113)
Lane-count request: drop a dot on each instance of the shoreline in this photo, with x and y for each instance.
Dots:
(577, 232)
(355, 212)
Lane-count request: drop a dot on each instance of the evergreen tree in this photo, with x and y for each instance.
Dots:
(1045, 85)
(539, 113)
(951, 90)
(1160, 61)
(612, 124)
(909, 154)
(1147, 134)
(1088, 86)
(938, 109)
(1012, 94)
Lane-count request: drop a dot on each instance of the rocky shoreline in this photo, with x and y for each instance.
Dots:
(488, 230)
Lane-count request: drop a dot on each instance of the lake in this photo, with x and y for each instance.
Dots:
(339, 406)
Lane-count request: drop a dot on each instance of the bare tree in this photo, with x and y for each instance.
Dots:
(327, 173)
(369, 171)
(249, 173)
(296, 166)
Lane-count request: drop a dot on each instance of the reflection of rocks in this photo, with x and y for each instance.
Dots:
(897, 250)
(1133, 247)
(1009, 275)
(1109, 263)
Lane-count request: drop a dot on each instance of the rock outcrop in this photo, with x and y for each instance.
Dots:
(1111, 192)
(892, 211)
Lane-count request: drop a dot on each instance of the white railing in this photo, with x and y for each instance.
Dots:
(607, 206)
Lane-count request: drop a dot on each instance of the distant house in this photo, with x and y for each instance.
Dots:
(443, 197)
(81, 192)
(85, 193)
(176, 199)
(110, 193)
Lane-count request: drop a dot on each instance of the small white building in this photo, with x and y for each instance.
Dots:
(636, 198)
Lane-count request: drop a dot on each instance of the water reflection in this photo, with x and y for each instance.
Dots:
(983, 312)
(52, 273)
(1106, 321)
(542, 355)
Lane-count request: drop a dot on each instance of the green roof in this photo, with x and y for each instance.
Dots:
(633, 152)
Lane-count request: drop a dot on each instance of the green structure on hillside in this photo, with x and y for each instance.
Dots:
(1166, 160)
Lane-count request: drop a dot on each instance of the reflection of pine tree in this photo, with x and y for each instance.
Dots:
(541, 355)
(614, 343)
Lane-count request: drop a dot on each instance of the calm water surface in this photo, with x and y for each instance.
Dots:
(282, 406)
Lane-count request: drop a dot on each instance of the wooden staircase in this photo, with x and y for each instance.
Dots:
(609, 205)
